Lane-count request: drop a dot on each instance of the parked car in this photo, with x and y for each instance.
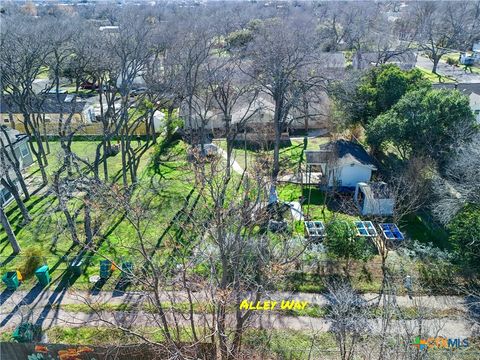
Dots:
(87, 85)
(138, 91)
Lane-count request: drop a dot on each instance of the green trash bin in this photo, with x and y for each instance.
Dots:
(127, 271)
(11, 280)
(76, 267)
(105, 269)
(43, 275)
(27, 333)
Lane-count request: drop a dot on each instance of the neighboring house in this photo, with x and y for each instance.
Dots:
(472, 90)
(374, 198)
(260, 112)
(332, 61)
(344, 164)
(255, 116)
(16, 144)
(405, 61)
(49, 106)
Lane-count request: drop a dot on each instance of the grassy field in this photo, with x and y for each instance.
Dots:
(40, 245)
(290, 156)
(435, 78)
(86, 150)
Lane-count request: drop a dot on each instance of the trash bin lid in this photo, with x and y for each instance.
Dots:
(42, 269)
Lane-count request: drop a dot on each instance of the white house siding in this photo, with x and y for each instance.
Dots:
(351, 175)
(475, 105)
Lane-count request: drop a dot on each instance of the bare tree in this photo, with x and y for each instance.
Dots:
(282, 59)
(349, 314)
(458, 185)
(444, 27)
(23, 56)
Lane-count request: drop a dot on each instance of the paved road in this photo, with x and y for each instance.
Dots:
(447, 70)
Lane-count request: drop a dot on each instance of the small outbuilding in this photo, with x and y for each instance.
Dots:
(344, 164)
(374, 198)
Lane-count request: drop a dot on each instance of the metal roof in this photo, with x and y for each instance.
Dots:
(46, 103)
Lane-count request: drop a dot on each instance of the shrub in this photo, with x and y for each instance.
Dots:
(342, 242)
(32, 260)
(465, 233)
(452, 61)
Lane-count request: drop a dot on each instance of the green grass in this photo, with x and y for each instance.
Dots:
(421, 228)
(86, 150)
(435, 78)
(48, 220)
(43, 74)
(289, 344)
(290, 156)
(313, 143)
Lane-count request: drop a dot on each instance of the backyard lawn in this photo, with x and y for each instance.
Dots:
(40, 246)
(86, 150)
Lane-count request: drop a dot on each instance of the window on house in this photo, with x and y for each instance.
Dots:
(24, 151)
(5, 196)
(47, 119)
(477, 112)
(6, 120)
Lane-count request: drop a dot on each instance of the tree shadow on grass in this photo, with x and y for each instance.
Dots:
(27, 300)
(68, 278)
(97, 287)
(5, 295)
(8, 259)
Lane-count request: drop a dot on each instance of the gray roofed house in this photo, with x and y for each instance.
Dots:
(49, 106)
(47, 103)
(349, 152)
(332, 60)
(405, 61)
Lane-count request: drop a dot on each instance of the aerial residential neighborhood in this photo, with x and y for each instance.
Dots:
(293, 180)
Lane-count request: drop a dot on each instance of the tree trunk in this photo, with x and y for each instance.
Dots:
(105, 163)
(276, 152)
(10, 186)
(8, 229)
(12, 120)
(87, 221)
(168, 123)
(436, 60)
(15, 163)
(277, 123)
(124, 160)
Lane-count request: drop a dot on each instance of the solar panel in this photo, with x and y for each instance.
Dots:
(315, 229)
(391, 232)
(365, 228)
